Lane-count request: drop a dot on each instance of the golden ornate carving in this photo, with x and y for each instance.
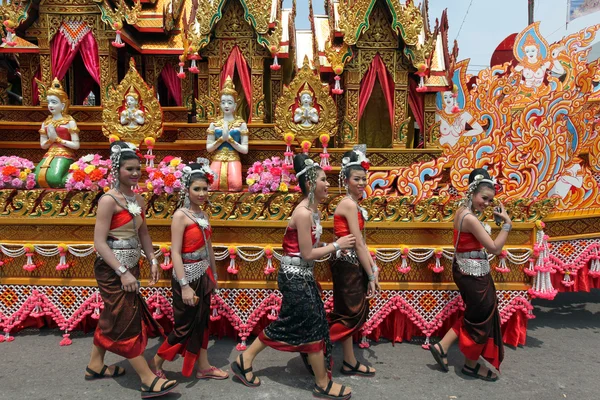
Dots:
(115, 17)
(152, 126)
(233, 24)
(284, 114)
(380, 34)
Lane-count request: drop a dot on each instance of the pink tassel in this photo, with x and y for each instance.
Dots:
(10, 36)
(269, 267)
(118, 42)
(426, 344)
(62, 263)
(181, 74)
(29, 265)
(241, 346)
(337, 89)
(6, 338)
(275, 66)
(567, 282)
(273, 315)
(193, 66)
(502, 267)
(158, 314)
(364, 343)
(232, 255)
(66, 341)
(215, 315)
(324, 164)
(437, 267)
(404, 268)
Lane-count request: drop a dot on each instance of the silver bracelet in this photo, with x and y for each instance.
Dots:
(336, 246)
(374, 268)
(371, 277)
(154, 261)
(506, 227)
(183, 282)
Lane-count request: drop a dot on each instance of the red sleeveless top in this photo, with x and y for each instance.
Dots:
(340, 225)
(466, 242)
(290, 241)
(193, 239)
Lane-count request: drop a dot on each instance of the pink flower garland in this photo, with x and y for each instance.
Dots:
(165, 178)
(16, 173)
(90, 172)
(269, 176)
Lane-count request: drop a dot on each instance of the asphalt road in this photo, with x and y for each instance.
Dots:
(560, 361)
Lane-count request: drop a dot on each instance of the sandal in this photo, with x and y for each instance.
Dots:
(439, 355)
(207, 374)
(239, 371)
(148, 391)
(102, 374)
(474, 373)
(304, 357)
(319, 393)
(356, 371)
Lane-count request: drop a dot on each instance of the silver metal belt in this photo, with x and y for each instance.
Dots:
(129, 258)
(195, 270)
(131, 243)
(476, 254)
(296, 266)
(348, 256)
(195, 255)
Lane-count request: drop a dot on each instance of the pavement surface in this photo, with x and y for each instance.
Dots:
(560, 361)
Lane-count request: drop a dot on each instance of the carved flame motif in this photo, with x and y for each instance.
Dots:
(284, 113)
(148, 103)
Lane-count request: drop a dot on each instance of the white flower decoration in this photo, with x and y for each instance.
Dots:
(317, 231)
(202, 223)
(309, 162)
(364, 213)
(88, 158)
(345, 160)
(134, 209)
(487, 228)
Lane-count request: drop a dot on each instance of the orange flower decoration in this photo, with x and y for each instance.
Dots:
(170, 180)
(8, 170)
(78, 176)
(96, 175)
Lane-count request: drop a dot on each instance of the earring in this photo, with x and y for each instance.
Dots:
(346, 187)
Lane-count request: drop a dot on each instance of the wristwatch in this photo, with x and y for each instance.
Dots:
(183, 282)
(121, 270)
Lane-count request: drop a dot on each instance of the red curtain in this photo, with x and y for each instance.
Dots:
(377, 70)
(35, 96)
(236, 59)
(88, 48)
(172, 82)
(416, 102)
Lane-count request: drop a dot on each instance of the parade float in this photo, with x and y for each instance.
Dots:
(76, 74)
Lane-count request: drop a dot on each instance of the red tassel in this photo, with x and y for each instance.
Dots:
(66, 341)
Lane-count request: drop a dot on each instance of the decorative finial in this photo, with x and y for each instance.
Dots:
(229, 88)
(306, 90)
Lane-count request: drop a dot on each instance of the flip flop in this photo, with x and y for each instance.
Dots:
(239, 371)
(355, 371)
(102, 374)
(206, 374)
(148, 391)
(319, 393)
(439, 356)
(474, 373)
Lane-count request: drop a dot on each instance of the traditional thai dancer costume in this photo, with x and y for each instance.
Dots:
(350, 286)
(191, 323)
(479, 330)
(125, 322)
(302, 323)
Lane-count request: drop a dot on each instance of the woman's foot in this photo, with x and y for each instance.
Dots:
(211, 373)
(480, 372)
(332, 390)
(103, 372)
(356, 368)
(242, 368)
(156, 387)
(156, 365)
(440, 355)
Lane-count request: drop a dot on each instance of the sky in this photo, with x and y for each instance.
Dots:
(485, 24)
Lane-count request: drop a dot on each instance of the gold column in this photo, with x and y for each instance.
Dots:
(108, 62)
(350, 129)
(4, 86)
(214, 74)
(258, 97)
(430, 110)
(400, 139)
(45, 63)
(276, 90)
(150, 71)
(28, 66)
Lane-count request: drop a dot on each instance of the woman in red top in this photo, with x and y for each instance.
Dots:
(120, 233)
(478, 332)
(353, 272)
(301, 325)
(194, 278)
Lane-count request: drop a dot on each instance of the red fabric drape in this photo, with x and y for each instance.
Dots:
(236, 59)
(377, 70)
(62, 55)
(88, 48)
(34, 88)
(172, 82)
(416, 102)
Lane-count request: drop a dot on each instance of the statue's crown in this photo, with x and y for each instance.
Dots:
(229, 88)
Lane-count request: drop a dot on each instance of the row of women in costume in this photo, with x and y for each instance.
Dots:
(302, 324)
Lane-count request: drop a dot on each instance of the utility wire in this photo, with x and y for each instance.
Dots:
(464, 19)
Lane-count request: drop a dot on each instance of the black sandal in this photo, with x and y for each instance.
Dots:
(355, 370)
(474, 373)
(319, 393)
(439, 356)
(304, 357)
(148, 391)
(239, 371)
(102, 374)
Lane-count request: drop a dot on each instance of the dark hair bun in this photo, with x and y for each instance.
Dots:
(478, 171)
(351, 155)
(299, 162)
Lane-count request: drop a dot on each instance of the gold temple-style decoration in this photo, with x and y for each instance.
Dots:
(139, 119)
(306, 81)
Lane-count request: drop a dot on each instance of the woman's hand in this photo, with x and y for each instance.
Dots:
(372, 289)
(187, 295)
(346, 242)
(502, 214)
(129, 283)
(154, 274)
